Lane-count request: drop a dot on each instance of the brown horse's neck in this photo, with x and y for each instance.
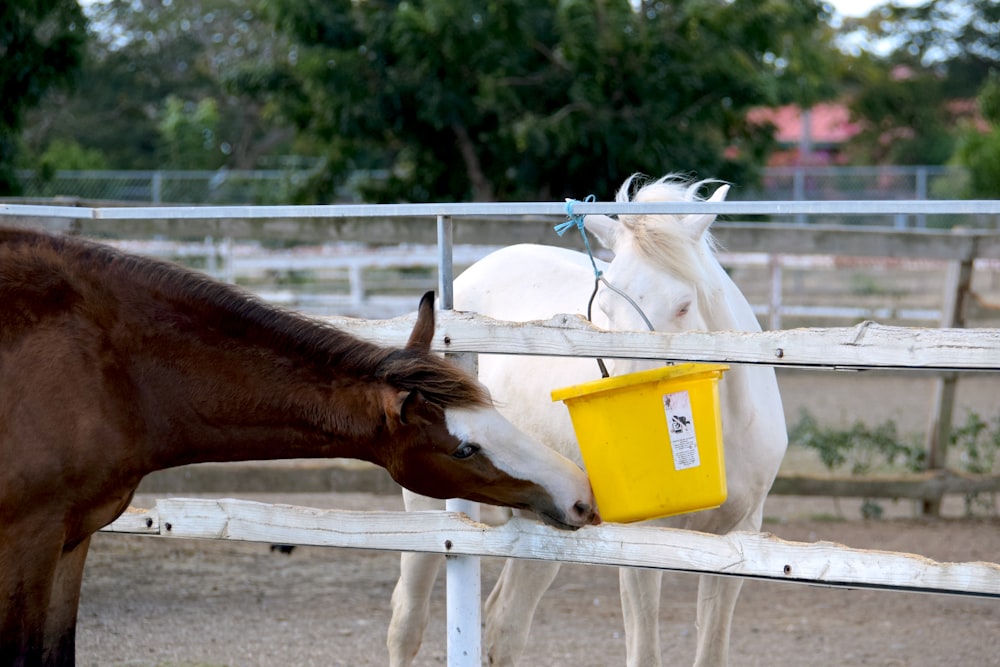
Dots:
(235, 403)
(188, 369)
(177, 368)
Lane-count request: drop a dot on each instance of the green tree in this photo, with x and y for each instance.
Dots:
(918, 60)
(41, 45)
(143, 52)
(464, 99)
(189, 134)
(979, 151)
(956, 39)
(905, 116)
(70, 155)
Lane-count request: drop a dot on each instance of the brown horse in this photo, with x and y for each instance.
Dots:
(113, 366)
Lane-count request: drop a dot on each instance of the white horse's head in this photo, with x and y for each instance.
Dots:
(665, 263)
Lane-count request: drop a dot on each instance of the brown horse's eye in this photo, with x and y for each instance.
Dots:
(466, 450)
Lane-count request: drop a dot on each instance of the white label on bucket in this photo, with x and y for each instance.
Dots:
(680, 426)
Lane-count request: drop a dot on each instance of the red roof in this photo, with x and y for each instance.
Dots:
(830, 123)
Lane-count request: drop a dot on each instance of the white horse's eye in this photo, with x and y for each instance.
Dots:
(683, 310)
(466, 450)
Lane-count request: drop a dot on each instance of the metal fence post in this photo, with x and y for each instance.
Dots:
(799, 191)
(462, 573)
(920, 219)
(156, 188)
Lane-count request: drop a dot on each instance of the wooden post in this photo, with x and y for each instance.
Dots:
(774, 294)
(957, 283)
(356, 278)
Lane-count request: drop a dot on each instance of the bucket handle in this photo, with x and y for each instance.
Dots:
(577, 221)
(597, 282)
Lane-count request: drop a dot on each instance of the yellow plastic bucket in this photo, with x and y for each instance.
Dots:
(651, 441)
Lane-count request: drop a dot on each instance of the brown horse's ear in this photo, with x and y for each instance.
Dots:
(405, 407)
(423, 330)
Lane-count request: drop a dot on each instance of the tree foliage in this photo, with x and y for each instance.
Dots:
(41, 45)
(189, 133)
(464, 99)
(146, 57)
(904, 115)
(979, 151)
(957, 39)
(919, 61)
(467, 99)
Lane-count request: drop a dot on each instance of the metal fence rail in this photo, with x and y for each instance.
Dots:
(989, 207)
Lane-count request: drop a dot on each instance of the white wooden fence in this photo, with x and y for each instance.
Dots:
(748, 555)
(867, 345)
(233, 262)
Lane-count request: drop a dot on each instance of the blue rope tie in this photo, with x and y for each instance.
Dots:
(577, 221)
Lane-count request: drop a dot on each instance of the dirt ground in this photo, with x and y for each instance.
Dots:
(160, 602)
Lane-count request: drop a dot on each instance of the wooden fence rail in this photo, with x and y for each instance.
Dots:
(747, 555)
(866, 345)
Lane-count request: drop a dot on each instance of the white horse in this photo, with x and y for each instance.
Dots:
(667, 265)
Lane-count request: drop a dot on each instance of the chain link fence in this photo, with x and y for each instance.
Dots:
(279, 186)
(859, 183)
(266, 186)
(867, 183)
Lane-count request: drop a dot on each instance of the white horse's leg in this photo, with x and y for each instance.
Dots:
(511, 606)
(717, 598)
(716, 602)
(411, 606)
(640, 592)
(412, 594)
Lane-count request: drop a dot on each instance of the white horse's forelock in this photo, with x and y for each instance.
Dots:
(664, 239)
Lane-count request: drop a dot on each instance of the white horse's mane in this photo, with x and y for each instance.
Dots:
(665, 239)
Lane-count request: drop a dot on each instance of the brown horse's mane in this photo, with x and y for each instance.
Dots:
(440, 381)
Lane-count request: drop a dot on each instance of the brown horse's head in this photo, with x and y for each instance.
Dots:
(450, 442)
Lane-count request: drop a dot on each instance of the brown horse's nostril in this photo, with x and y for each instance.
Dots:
(587, 512)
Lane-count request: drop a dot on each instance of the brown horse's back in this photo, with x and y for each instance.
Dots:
(34, 284)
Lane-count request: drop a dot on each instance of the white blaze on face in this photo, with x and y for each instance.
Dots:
(518, 455)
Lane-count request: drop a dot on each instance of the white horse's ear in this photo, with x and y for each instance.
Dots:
(699, 224)
(604, 228)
